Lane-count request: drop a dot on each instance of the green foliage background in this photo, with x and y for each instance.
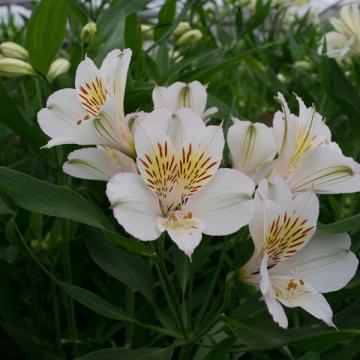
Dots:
(72, 283)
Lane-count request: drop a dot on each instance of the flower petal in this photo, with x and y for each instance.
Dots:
(112, 129)
(90, 87)
(326, 171)
(325, 262)
(135, 207)
(114, 71)
(294, 292)
(186, 235)
(252, 146)
(224, 205)
(274, 307)
(97, 164)
(65, 120)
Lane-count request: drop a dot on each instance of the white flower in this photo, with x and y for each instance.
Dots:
(345, 40)
(179, 189)
(307, 159)
(93, 112)
(252, 147)
(180, 95)
(99, 163)
(289, 265)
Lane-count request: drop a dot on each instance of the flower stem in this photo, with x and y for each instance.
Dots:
(168, 287)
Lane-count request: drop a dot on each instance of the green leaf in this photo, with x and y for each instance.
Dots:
(54, 200)
(129, 354)
(111, 25)
(12, 117)
(94, 302)
(340, 89)
(204, 73)
(130, 269)
(351, 223)
(46, 33)
(166, 18)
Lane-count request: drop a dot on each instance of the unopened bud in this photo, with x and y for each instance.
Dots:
(88, 33)
(10, 67)
(303, 65)
(147, 32)
(58, 67)
(191, 37)
(13, 50)
(281, 77)
(182, 28)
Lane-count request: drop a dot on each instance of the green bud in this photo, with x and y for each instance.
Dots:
(57, 67)
(191, 37)
(10, 67)
(182, 28)
(147, 32)
(303, 65)
(13, 50)
(88, 33)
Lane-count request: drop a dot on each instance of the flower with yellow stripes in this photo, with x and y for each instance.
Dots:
(290, 265)
(180, 188)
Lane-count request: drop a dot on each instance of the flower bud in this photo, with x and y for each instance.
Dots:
(88, 33)
(10, 67)
(191, 37)
(182, 28)
(147, 32)
(303, 65)
(281, 77)
(13, 50)
(57, 67)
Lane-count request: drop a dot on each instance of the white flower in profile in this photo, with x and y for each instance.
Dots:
(252, 148)
(98, 163)
(307, 159)
(93, 112)
(345, 40)
(181, 95)
(290, 265)
(180, 188)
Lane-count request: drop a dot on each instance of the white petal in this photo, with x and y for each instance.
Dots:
(187, 238)
(252, 146)
(112, 128)
(195, 98)
(167, 98)
(298, 135)
(274, 307)
(326, 262)
(114, 70)
(224, 205)
(63, 120)
(326, 171)
(134, 205)
(282, 231)
(296, 292)
(97, 164)
(90, 87)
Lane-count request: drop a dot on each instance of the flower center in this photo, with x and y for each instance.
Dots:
(179, 220)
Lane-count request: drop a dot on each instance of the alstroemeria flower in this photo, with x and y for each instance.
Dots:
(345, 40)
(181, 95)
(307, 159)
(180, 189)
(93, 112)
(252, 148)
(98, 163)
(290, 265)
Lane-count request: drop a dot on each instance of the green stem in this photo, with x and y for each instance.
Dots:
(210, 290)
(56, 313)
(130, 309)
(70, 313)
(167, 286)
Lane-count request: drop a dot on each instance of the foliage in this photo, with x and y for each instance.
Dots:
(72, 283)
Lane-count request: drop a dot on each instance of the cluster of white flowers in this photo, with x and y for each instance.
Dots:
(345, 40)
(164, 175)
